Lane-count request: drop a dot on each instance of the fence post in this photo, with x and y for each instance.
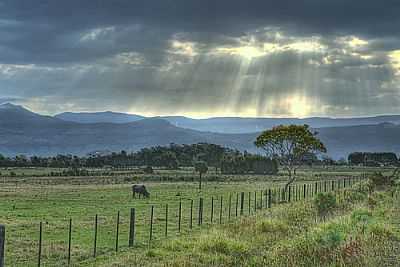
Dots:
(237, 204)
(191, 214)
(266, 198)
(212, 209)
(220, 211)
(255, 201)
(333, 185)
(229, 207)
(132, 228)
(290, 193)
(316, 188)
(2, 242)
(166, 220)
(241, 203)
(200, 218)
(117, 234)
(269, 198)
(69, 241)
(40, 244)
(249, 203)
(151, 224)
(180, 215)
(95, 236)
(261, 199)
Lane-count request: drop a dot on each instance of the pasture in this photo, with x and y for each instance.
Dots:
(27, 200)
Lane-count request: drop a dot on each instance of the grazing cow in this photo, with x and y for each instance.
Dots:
(141, 190)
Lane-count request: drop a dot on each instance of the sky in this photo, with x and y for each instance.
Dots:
(202, 58)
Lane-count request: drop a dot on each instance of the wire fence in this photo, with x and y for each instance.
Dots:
(143, 227)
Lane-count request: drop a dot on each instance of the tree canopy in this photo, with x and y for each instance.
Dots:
(290, 144)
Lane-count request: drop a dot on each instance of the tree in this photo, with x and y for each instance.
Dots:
(288, 144)
(200, 167)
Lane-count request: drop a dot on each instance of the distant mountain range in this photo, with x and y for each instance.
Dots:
(25, 132)
(96, 117)
(229, 124)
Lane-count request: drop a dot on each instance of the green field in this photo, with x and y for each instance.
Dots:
(26, 201)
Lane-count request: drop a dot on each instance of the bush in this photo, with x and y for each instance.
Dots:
(324, 203)
(378, 180)
(148, 170)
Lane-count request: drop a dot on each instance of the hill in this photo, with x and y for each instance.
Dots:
(25, 132)
(229, 124)
(96, 117)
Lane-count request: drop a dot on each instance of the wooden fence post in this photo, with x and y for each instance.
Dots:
(237, 204)
(333, 185)
(229, 207)
(269, 198)
(261, 199)
(40, 244)
(255, 201)
(166, 220)
(212, 209)
(180, 215)
(95, 236)
(241, 203)
(191, 214)
(200, 218)
(316, 188)
(117, 233)
(220, 211)
(266, 198)
(69, 241)
(151, 224)
(2, 242)
(290, 193)
(249, 203)
(132, 228)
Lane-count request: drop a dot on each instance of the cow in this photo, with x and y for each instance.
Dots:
(141, 190)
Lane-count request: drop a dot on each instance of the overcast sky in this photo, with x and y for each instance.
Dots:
(202, 58)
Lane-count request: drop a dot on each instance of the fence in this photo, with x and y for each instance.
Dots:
(221, 210)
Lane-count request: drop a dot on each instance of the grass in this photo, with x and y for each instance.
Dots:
(23, 207)
(27, 203)
(287, 235)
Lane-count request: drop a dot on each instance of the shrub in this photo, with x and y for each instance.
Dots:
(379, 180)
(272, 226)
(324, 203)
(219, 243)
(148, 170)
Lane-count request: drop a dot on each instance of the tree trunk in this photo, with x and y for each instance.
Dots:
(292, 177)
(200, 182)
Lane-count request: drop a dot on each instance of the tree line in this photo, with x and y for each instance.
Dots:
(373, 158)
(228, 161)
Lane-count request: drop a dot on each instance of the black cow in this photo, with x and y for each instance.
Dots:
(141, 190)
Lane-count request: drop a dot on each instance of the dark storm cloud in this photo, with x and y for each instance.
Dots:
(178, 56)
(48, 31)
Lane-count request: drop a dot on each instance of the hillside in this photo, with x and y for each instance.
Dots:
(97, 117)
(228, 124)
(25, 132)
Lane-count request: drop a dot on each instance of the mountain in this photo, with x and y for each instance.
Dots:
(229, 124)
(25, 132)
(96, 117)
(32, 134)
(249, 125)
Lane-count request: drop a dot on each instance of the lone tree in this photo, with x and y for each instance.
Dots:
(200, 167)
(289, 144)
